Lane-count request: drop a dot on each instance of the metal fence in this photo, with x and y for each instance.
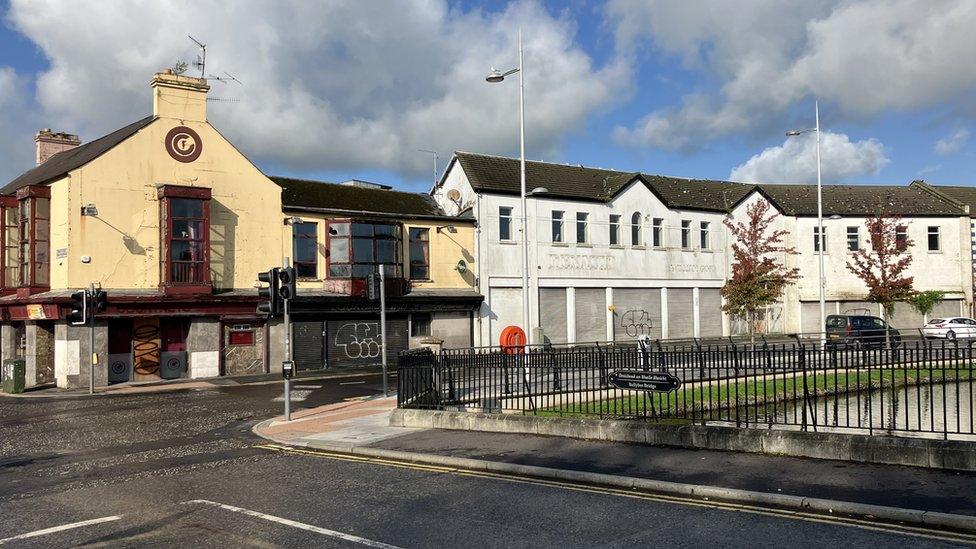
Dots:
(920, 386)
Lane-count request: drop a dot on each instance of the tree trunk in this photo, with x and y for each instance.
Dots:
(884, 316)
(752, 327)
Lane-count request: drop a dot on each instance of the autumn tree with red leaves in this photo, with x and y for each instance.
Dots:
(757, 280)
(882, 267)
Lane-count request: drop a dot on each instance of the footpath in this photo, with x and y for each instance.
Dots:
(895, 493)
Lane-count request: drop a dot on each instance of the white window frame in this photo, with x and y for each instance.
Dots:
(560, 221)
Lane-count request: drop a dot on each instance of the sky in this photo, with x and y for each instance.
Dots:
(348, 89)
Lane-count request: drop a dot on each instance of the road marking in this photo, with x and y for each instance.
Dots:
(297, 395)
(929, 533)
(353, 383)
(308, 387)
(62, 528)
(296, 524)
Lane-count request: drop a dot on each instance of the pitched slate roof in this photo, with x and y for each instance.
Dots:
(499, 174)
(305, 193)
(60, 164)
(961, 195)
(860, 200)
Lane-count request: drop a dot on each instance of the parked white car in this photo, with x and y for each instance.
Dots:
(950, 328)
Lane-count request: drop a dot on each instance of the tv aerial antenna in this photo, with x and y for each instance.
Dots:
(201, 62)
(434, 156)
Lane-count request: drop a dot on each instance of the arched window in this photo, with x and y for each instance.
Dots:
(635, 229)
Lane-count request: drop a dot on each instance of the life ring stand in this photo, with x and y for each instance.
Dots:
(513, 340)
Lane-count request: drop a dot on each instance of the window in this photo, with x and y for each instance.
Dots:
(419, 254)
(9, 243)
(504, 223)
(901, 237)
(614, 230)
(305, 249)
(186, 241)
(419, 324)
(358, 248)
(635, 229)
(935, 243)
(581, 227)
(557, 226)
(703, 236)
(854, 239)
(34, 235)
(685, 234)
(657, 228)
(818, 241)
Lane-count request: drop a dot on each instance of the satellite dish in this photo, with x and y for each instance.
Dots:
(461, 267)
(454, 195)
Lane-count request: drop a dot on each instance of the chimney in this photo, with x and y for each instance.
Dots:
(48, 144)
(181, 97)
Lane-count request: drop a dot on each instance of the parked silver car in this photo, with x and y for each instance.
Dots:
(950, 328)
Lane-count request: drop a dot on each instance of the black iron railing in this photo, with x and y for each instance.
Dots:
(919, 386)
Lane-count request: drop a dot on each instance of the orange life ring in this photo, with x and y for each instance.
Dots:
(513, 340)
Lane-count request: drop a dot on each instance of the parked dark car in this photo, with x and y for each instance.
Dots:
(858, 330)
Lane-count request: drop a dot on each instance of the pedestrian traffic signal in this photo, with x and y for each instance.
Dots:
(287, 288)
(79, 308)
(271, 307)
(99, 302)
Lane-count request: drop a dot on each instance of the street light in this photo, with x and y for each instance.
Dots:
(820, 227)
(496, 76)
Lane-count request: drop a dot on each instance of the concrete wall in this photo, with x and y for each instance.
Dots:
(72, 354)
(203, 347)
(39, 361)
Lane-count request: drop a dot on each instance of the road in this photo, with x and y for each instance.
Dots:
(182, 468)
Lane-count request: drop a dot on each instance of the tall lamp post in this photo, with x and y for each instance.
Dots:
(497, 76)
(820, 228)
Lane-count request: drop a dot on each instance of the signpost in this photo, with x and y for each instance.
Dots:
(639, 380)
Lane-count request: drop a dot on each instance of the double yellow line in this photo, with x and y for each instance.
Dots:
(862, 523)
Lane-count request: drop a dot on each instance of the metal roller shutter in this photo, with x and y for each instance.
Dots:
(710, 312)
(552, 313)
(309, 344)
(681, 323)
(355, 342)
(591, 315)
(905, 317)
(504, 309)
(638, 312)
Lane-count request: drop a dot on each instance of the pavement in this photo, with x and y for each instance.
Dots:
(184, 468)
(362, 427)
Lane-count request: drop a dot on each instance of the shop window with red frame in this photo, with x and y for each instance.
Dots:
(185, 224)
(34, 232)
(9, 245)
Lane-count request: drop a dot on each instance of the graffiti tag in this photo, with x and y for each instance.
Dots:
(359, 339)
(636, 322)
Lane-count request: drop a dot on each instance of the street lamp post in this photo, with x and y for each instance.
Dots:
(497, 76)
(820, 228)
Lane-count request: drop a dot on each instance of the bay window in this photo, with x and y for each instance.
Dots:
(358, 248)
(34, 235)
(185, 236)
(9, 244)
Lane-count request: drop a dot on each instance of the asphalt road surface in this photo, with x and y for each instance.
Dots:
(183, 468)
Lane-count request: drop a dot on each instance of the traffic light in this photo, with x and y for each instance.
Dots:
(79, 308)
(287, 289)
(99, 302)
(271, 307)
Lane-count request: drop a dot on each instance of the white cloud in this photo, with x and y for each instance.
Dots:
(342, 85)
(860, 58)
(795, 161)
(951, 144)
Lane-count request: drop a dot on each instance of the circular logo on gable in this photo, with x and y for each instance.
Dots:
(183, 144)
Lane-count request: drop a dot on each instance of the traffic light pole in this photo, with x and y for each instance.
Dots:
(90, 296)
(383, 327)
(288, 352)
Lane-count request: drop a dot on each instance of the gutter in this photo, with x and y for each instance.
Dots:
(366, 213)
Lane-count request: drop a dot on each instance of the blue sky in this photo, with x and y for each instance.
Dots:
(703, 91)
